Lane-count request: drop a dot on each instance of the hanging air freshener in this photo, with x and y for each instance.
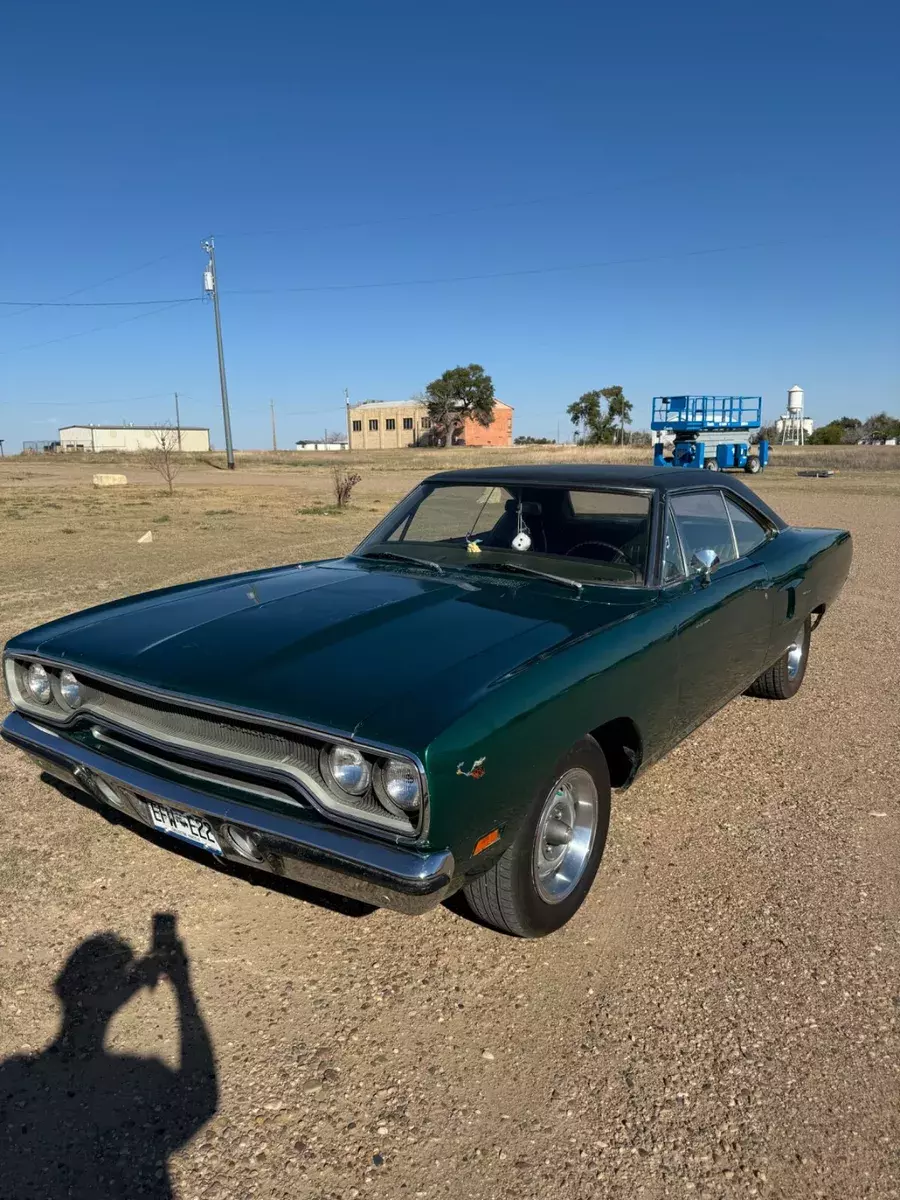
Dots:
(522, 540)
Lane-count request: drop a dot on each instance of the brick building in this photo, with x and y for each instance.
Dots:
(498, 433)
(393, 424)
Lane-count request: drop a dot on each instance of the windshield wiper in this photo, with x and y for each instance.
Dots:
(518, 569)
(420, 562)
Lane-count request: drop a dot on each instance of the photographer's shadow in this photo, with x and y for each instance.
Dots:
(79, 1122)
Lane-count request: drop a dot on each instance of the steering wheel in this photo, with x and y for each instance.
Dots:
(618, 556)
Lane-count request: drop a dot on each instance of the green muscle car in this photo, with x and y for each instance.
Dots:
(451, 704)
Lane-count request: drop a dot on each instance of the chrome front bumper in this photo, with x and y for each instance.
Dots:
(322, 856)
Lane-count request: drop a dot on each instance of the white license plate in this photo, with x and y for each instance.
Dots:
(184, 825)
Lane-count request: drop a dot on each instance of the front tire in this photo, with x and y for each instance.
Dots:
(783, 678)
(542, 878)
(710, 465)
(753, 466)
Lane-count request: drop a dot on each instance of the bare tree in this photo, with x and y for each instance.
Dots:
(344, 483)
(164, 458)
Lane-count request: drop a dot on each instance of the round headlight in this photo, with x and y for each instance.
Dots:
(70, 689)
(38, 682)
(401, 784)
(349, 769)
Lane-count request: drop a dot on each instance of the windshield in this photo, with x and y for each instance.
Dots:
(597, 535)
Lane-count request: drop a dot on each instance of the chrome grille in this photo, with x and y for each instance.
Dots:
(250, 749)
(195, 729)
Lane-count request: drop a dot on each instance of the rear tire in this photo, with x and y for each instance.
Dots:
(783, 678)
(710, 465)
(539, 883)
(753, 466)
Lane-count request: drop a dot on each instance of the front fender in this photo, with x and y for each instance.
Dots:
(523, 725)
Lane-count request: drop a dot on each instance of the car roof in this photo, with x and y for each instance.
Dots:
(595, 475)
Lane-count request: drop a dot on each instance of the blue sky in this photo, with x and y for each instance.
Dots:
(742, 159)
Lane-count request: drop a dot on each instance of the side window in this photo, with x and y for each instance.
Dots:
(703, 524)
(673, 559)
(748, 533)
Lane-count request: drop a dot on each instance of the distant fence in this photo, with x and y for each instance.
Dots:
(39, 447)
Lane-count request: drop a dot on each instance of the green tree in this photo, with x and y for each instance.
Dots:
(587, 413)
(618, 408)
(831, 434)
(459, 393)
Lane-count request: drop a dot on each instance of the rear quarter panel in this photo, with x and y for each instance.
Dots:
(808, 569)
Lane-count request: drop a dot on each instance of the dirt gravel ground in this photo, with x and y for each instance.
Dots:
(720, 1020)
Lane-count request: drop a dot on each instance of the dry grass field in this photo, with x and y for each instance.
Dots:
(720, 1020)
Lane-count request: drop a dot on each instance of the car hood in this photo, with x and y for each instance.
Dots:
(356, 647)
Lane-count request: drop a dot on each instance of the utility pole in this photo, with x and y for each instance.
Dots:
(274, 437)
(211, 287)
(2, 455)
(178, 420)
(347, 403)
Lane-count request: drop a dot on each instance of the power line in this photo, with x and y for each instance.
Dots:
(315, 412)
(382, 284)
(98, 303)
(420, 282)
(456, 212)
(587, 266)
(90, 286)
(97, 329)
(85, 403)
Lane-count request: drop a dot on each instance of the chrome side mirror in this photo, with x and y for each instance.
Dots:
(703, 563)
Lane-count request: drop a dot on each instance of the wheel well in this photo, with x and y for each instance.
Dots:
(620, 742)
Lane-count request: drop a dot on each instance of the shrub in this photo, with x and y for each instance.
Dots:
(344, 482)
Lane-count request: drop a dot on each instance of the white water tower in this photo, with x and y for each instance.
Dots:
(792, 427)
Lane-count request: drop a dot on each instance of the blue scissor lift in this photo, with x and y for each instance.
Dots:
(708, 432)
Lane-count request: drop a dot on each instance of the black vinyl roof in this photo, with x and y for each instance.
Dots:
(586, 475)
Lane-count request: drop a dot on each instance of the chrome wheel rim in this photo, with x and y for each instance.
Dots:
(565, 835)
(794, 658)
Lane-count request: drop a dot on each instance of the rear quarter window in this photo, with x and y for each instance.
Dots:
(703, 524)
(748, 531)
